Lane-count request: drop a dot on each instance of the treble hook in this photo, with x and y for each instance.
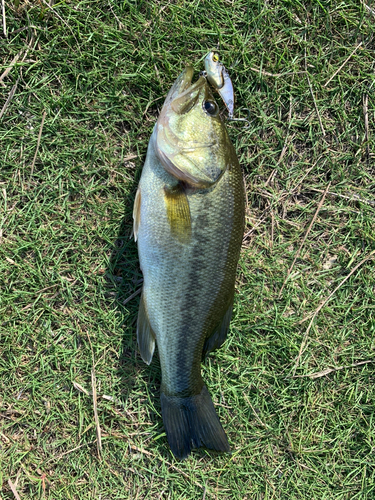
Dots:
(247, 120)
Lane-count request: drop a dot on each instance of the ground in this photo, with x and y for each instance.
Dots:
(82, 84)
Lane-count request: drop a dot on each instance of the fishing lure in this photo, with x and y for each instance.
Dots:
(219, 78)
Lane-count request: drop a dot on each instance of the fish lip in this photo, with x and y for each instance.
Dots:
(181, 87)
(186, 77)
(183, 84)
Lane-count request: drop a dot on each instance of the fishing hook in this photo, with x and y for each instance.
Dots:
(247, 120)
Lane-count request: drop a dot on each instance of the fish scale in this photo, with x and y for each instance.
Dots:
(189, 239)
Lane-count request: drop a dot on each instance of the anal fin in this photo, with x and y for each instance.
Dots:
(145, 334)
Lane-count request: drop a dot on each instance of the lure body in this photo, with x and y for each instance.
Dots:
(219, 78)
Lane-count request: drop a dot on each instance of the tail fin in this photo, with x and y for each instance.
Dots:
(192, 422)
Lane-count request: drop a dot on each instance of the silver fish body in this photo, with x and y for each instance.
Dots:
(188, 222)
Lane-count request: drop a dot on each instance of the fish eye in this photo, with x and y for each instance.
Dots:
(210, 107)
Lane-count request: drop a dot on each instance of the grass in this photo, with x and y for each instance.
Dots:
(100, 70)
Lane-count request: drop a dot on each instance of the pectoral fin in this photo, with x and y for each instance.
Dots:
(178, 213)
(220, 333)
(136, 213)
(145, 334)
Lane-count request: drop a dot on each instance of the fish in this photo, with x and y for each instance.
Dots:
(188, 224)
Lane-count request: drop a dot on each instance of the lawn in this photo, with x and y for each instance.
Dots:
(81, 86)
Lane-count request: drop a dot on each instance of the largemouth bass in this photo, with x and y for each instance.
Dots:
(188, 222)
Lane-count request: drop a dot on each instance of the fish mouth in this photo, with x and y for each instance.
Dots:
(182, 87)
(182, 96)
(187, 158)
